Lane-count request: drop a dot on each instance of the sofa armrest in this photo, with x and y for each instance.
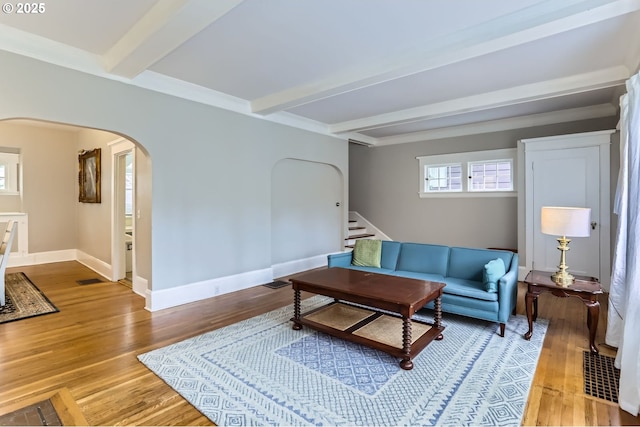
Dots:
(508, 291)
(342, 259)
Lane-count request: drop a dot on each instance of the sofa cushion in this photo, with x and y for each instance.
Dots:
(468, 263)
(493, 271)
(367, 253)
(423, 258)
(420, 276)
(372, 269)
(390, 252)
(479, 309)
(468, 288)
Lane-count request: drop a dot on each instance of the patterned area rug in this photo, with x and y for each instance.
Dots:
(23, 299)
(262, 372)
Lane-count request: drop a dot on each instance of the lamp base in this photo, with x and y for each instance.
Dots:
(562, 278)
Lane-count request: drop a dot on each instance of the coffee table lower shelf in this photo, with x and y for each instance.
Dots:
(401, 338)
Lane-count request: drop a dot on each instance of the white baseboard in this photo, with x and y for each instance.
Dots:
(166, 298)
(99, 266)
(95, 264)
(522, 272)
(296, 266)
(140, 286)
(15, 260)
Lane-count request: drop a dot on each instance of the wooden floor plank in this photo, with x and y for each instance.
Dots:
(89, 348)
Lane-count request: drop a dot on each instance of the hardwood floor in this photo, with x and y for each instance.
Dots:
(90, 348)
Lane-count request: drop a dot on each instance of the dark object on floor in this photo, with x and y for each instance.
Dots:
(601, 377)
(277, 284)
(53, 408)
(23, 299)
(39, 414)
(89, 281)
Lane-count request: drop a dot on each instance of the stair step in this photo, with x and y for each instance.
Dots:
(360, 236)
(356, 231)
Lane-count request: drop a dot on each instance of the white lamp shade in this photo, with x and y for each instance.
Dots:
(569, 222)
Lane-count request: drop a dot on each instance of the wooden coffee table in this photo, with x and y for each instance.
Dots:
(375, 291)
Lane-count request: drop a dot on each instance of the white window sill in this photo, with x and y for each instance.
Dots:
(467, 194)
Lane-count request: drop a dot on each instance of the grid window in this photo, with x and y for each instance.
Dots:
(492, 175)
(443, 178)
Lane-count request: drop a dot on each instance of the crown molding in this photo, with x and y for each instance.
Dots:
(541, 119)
(42, 49)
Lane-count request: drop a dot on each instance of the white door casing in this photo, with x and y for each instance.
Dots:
(119, 149)
(568, 170)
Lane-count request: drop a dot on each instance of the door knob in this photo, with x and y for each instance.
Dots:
(593, 225)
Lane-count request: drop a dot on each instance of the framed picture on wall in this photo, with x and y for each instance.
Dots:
(89, 176)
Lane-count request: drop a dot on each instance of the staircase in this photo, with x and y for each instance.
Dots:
(360, 228)
(356, 232)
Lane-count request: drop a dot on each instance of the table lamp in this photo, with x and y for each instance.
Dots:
(565, 222)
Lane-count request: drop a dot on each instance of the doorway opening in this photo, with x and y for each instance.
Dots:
(123, 249)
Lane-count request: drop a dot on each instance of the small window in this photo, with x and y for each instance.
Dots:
(9, 182)
(443, 178)
(491, 175)
(488, 173)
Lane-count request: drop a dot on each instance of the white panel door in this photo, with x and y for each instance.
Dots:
(568, 177)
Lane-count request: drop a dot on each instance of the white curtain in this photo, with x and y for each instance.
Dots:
(623, 326)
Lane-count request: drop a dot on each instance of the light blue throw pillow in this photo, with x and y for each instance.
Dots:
(493, 271)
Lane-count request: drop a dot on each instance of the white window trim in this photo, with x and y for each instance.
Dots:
(464, 159)
(496, 161)
(12, 173)
(445, 165)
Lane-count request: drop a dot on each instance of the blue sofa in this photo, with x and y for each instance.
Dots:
(460, 268)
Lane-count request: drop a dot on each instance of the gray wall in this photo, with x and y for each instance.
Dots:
(384, 189)
(210, 207)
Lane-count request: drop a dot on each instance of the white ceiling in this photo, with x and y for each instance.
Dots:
(377, 71)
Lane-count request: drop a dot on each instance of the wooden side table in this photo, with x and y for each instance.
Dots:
(585, 288)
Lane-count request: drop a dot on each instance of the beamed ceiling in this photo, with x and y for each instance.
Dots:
(375, 71)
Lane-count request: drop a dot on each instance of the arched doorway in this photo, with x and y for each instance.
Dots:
(61, 227)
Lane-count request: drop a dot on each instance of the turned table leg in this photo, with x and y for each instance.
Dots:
(406, 362)
(296, 310)
(438, 316)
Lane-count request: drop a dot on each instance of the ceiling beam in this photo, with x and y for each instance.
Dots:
(542, 20)
(167, 25)
(540, 119)
(600, 79)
